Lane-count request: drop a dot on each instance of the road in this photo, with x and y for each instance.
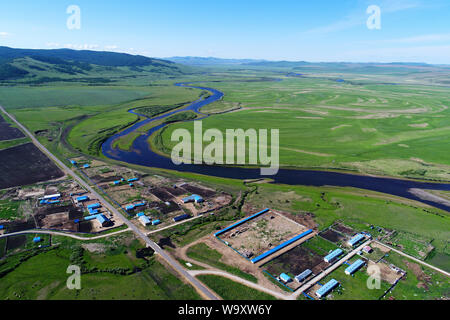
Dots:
(202, 289)
(415, 259)
(240, 280)
(63, 234)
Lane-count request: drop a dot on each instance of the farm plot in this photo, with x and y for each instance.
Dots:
(60, 217)
(205, 193)
(308, 255)
(24, 165)
(260, 234)
(343, 229)
(7, 132)
(415, 245)
(332, 236)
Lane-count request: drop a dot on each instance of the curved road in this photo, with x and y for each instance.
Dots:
(241, 281)
(202, 289)
(63, 234)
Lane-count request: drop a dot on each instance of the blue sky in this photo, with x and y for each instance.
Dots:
(320, 30)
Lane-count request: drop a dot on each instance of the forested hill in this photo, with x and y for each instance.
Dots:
(40, 66)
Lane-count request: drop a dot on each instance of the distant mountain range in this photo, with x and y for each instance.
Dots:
(40, 66)
(210, 61)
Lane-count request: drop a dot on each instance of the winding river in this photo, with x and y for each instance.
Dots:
(141, 154)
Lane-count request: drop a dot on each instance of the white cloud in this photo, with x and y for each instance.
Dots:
(111, 47)
(82, 46)
(359, 16)
(390, 6)
(4, 34)
(422, 38)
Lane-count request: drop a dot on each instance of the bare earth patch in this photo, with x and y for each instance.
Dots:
(418, 125)
(309, 152)
(311, 118)
(341, 126)
(94, 247)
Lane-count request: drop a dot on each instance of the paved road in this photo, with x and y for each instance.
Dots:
(64, 234)
(414, 259)
(204, 291)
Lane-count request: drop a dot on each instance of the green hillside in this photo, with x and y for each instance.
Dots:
(34, 67)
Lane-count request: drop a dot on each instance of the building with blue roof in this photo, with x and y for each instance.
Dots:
(140, 204)
(193, 198)
(94, 206)
(356, 239)
(354, 267)
(285, 278)
(132, 180)
(89, 218)
(140, 214)
(302, 276)
(2, 227)
(104, 221)
(82, 199)
(144, 220)
(55, 196)
(129, 207)
(333, 255)
(326, 288)
(93, 211)
(156, 222)
(37, 239)
(182, 217)
(86, 166)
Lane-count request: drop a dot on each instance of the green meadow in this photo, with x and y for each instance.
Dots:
(106, 265)
(373, 128)
(203, 253)
(231, 290)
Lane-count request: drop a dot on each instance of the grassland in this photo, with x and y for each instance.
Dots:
(230, 290)
(19, 97)
(9, 210)
(13, 143)
(420, 283)
(396, 130)
(106, 264)
(88, 135)
(354, 287)
(202, 253)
